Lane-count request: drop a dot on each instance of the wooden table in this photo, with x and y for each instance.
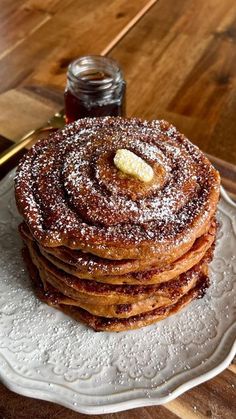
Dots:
(179, 61)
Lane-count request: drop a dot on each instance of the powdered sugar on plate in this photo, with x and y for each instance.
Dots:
(45, 354)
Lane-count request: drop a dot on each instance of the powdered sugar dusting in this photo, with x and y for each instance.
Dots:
(67, 185)
(53, 356)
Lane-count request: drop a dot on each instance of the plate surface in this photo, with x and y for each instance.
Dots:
(45, 354)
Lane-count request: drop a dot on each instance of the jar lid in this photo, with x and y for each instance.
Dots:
(95, 73)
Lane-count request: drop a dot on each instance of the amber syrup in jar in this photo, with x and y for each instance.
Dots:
(95, 87)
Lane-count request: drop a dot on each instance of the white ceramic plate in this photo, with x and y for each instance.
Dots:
(46, 355)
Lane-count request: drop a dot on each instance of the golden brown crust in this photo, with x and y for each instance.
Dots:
(90, 268)
(70, 193)
(102, 324)
(153, 275)
(118, 323)
(90, 291)
(109, 249)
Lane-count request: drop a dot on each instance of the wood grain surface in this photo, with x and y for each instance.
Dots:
(180, 64)
(41, 103)
(40, 39)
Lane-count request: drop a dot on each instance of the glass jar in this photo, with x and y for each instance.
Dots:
(95, 87)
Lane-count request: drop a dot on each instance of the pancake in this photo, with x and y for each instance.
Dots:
(119, 220)
(153, 276)
(118, 323)
(92, 292)
(70, 193)
(171, 293)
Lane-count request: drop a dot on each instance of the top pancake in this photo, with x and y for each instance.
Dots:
(71, 194)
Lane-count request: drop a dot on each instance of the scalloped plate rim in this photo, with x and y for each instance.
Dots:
(132, 403)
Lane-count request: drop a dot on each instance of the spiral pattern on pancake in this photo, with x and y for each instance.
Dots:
(70, 192)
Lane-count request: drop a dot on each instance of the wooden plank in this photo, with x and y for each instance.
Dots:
(232, 367)
(182, 57)
(27, 20)
(25, 109)
(4, 143)
(112, 44)
(214, 399)
(42, 102)
(68, 30)
(18, 407)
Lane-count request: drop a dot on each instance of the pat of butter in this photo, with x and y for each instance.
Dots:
(130, 164)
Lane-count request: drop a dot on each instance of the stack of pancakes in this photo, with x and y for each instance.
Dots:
(108, 248)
